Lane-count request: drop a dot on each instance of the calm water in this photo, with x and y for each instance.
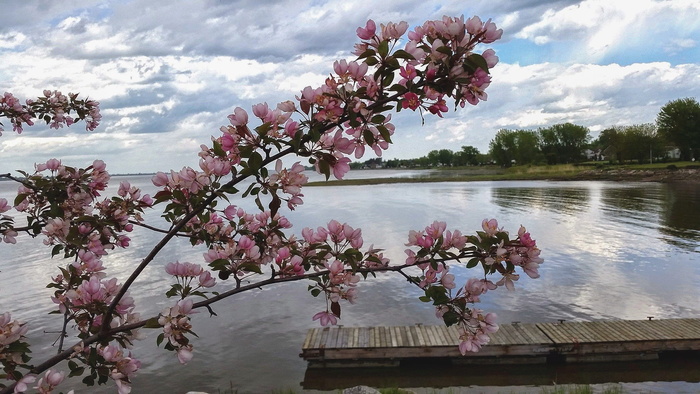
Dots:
(612, 250)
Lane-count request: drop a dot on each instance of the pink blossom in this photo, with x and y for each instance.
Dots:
(53, 164)
(291, 128)
(392, 31)
(206, 280)
(508, 280)
(490, 227)
(160, 179)
(261, 110)
(436, 229)
(438, 107)
(245, 243)
(239, 117)
(286, 106)
(4, 206)
(10, 330)
(448, 281)
(341, 166)
(474, 25)
(124, 187)
(411, 101)
(99, 165)
(490, 57)
(368, 31)
(21, 385)
(527, 241)
(9, 236)
(184, 270)
(326, 318)
(184, 354)
(147, 200)
(491, 32)
(50, 380)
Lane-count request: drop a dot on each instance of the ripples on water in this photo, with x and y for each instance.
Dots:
(612, 250)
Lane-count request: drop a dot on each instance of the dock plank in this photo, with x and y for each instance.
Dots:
(608, 340)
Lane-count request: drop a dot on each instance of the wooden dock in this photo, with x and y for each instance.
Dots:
(515, 343)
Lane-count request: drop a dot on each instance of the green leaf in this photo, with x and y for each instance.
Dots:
(218, 150)
(473, 262)
(446, 50)
(20, 198)
(275, 205)
(229, 189)
(366, 54)
(89, 380)
(251, 268)
(56, 250)
(255, 161)
(392, 63)
(477, 60)
(388, 79)
(335, 308)
(76, 372)
(152, 323)
(218, 264)
(383, 48)
(369, 137)
(379, 118)
(160, 339)
(263, 129)
(384, 132)
(371, 61)
(324, 168)
(401, 54)
(450, 318)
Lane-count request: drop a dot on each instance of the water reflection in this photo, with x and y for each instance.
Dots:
(441, 374)
(669, 208)
(558, 199)
(681, 216)
(603, 259)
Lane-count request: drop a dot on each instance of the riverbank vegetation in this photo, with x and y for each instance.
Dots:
(583, 171)
(675, 136)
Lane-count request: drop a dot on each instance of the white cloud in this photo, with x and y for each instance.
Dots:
(167, 75)
(600, 27)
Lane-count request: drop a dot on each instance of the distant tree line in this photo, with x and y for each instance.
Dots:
(677, 127)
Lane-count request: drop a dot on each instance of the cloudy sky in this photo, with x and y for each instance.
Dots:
(168, 72)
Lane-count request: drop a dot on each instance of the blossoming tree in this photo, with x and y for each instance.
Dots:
(347, 114)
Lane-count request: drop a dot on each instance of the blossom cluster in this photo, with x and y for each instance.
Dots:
(491, 248)
(53, 107)
(343, 117)
(13, 350)
(176, 323)
(61, 203)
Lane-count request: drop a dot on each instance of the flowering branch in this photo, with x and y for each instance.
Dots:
(343, 117)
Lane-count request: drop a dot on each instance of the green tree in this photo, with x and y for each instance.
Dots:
(502, 147)
(469, 155)
(549, 145)
(612, 144)
(527, 147)
(564, 142)
(434, 157)
(679, 123)
(642, 142)
(445, 157)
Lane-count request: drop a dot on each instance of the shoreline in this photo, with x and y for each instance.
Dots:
(687, 175)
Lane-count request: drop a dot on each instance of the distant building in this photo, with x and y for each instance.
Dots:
(595, 155)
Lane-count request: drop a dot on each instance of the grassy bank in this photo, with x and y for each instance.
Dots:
(597, 171)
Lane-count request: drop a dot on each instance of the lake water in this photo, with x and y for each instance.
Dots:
(612, 251)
